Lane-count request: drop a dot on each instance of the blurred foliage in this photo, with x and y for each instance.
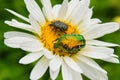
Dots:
(10, 69)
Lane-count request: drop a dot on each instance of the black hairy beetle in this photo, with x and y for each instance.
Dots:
(59, 25)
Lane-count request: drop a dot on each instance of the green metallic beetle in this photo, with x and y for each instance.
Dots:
(70, 43)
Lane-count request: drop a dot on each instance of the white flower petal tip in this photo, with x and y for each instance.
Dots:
(118, 45)
(12, 34)
(39, 69)
(98, 52)
(18, 15)
(35, 11)
(17, 24)
(111, 59)
(100, 30)
(31, 57)
(116, 61)
(117, 25)
(101, 43)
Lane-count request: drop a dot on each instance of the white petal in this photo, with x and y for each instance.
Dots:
(99, 49)
(100, 30)
(55, 11)
(111, 59)
(33, 46)
(11, 43)
(48, 54)
(100, 43)
(39, 69)
(12, 34)
(47, 7)
(102, 53)
(15, 23)
(76, 76)
(54, 74)
(76, 17)
(34, 24)
(95, 21)
(72, 64)
(15, 42)
(71, 7)
(18, 15)
(55, 63)
(92, 73)
(31, 57)
(35, 11)
(96, 55)
(63, 10)
(97, 52)
(87, 23)
(86, 20)
(66, 72)
(88, 15)
(90, 62)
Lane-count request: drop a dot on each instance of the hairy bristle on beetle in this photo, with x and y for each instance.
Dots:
(62, 38)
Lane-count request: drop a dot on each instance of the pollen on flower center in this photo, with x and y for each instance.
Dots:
(61, 38)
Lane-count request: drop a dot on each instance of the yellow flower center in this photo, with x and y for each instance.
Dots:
(60, 38)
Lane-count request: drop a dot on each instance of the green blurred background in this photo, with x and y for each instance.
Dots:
(10, 69)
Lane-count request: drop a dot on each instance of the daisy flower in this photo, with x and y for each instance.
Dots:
(64, 37)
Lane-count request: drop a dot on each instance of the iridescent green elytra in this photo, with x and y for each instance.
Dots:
(70, 43)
